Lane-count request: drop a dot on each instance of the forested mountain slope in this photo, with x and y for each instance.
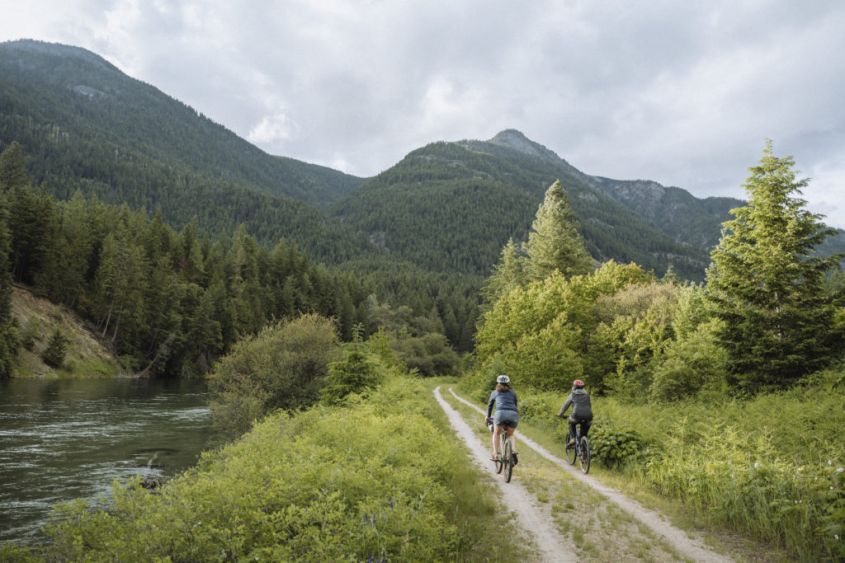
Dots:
(87, 126)
(454, 205)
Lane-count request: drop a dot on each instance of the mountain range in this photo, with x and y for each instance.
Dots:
(446, 207)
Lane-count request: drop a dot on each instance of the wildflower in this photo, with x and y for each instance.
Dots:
(840, 469)
(756, 465)
(829, 462)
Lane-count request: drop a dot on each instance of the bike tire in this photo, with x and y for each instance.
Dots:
(508, 461)
(499, 463)
(570, 450)
(585, 455)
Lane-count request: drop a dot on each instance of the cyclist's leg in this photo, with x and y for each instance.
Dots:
(512, 437)
(496, 430)
(585, 427)
(572, 430)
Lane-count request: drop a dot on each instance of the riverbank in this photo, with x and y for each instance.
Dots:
(38, 319)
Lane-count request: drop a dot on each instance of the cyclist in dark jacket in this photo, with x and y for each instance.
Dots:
(582, 411)
(507, 414)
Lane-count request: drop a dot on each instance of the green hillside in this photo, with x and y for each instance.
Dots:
(453, 206)
(87, 126)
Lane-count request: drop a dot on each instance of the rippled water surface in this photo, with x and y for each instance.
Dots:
(66, 439)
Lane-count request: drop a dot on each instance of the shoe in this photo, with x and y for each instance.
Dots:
(515, 459)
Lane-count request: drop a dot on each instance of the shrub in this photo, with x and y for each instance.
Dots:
(282, 367)
(54, 354)
(355, 373)
(691, 364)
(615, 447)
(429, 354)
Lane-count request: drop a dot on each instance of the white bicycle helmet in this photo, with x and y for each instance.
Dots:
(503, 379)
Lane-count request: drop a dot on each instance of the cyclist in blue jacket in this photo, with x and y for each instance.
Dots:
(507, 413)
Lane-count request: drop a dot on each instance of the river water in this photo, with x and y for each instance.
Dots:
(67, 439)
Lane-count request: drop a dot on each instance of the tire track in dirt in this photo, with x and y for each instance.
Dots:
(688, 547)
(536, 524)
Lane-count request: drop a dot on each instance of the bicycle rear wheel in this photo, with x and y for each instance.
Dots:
(585, 455)
(507, 459)
(570, 449)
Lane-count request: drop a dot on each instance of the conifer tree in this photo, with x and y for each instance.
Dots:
(554, 242)
(508, 273)
(54, 354)
(8, 339)
(766, 281)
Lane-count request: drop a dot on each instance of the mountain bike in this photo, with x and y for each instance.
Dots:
(579, 450)
(504, 462)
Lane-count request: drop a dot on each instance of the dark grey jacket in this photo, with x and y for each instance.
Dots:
(504, 401)
(582, 410)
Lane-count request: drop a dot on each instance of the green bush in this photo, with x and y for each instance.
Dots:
(356, 373)
(429, 354)
(282, 367)
(693, 363)
(614, 447)
(54, 354)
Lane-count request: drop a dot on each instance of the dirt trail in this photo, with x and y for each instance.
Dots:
(515, 497)
(658, 524)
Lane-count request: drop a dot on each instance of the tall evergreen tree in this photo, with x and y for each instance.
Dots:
(8, 339)
(554, 242)
(508, 273)
(766, 281)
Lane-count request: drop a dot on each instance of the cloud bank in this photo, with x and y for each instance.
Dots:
(681, 93)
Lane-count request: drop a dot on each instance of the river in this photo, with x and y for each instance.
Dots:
(67, 439)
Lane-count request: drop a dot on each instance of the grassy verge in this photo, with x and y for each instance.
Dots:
(744, 473)
(377, 480)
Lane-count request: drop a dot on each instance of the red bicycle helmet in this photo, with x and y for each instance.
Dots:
(578, 384)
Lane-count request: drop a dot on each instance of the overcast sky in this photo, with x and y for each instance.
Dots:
(684, 93)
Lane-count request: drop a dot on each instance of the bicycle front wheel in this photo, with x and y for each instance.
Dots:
(570, 449)
(585, 455)
(507, 459)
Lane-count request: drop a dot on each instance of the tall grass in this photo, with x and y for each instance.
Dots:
(769, 466)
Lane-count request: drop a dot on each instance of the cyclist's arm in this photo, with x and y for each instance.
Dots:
(490, 404)
(565, 406)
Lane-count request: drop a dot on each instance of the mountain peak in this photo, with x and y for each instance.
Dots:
(516, 140)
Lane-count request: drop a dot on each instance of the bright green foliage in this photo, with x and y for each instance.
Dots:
(282, 367)
(542, 334)
(554, 244)
(357, 373)
(54, 354)
(766, 283)
(639, 321)
(381, 480)
(693, 363)
(507, 274)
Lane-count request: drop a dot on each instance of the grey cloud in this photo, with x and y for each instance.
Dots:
(682, 93)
